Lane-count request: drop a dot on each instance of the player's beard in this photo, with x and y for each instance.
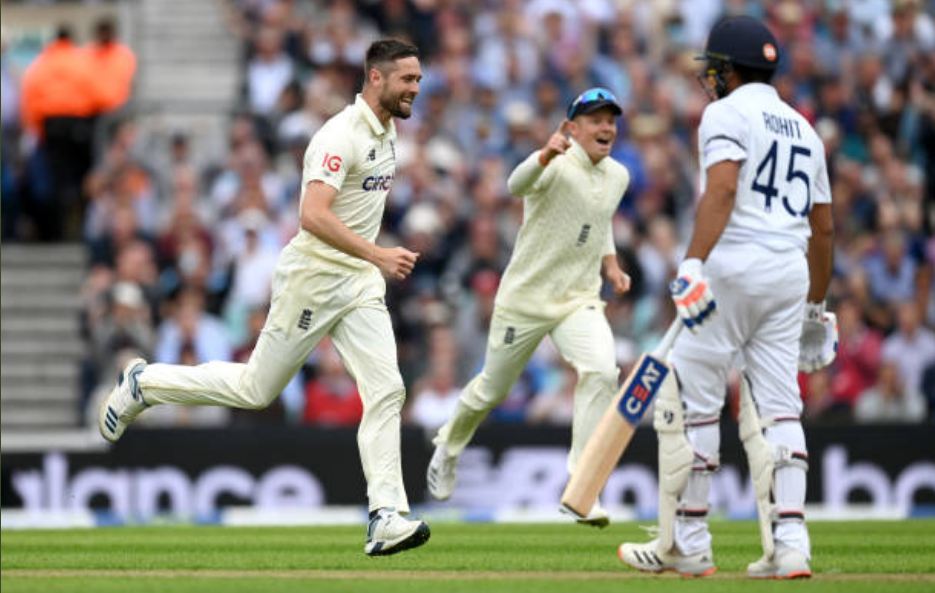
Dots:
(394, 106)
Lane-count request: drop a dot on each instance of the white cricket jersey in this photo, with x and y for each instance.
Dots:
(783, 172)
(566, 231)
(355, 154)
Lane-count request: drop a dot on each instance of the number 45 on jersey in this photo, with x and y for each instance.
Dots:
(767, 169)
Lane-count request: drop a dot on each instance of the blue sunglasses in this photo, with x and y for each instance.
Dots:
(589, 98)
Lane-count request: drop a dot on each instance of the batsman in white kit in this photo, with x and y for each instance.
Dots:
(571, 189)
(761, 246)
(328, 281)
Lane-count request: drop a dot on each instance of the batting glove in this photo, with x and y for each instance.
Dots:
(692, 295)
(819, 343)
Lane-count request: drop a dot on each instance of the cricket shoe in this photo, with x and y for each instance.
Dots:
(441, 474)
(598, 517)
(786, 563)
(124, 403)
(647, 558)
(389, 533)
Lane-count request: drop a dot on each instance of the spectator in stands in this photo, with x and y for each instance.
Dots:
(555, 405)
(58, 105)
(269, 71)
(189, 323)
(911, 348)
(249, 181)
(252, 271)
(435, 393)
(127, 325)
(113, 65)
(858, 360)
(889, 401)
(473, 312)
(891, 271)
(483, 251)
(331, 397)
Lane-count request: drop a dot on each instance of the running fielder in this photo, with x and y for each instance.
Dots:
(552, 283)
(329, 281)
(762, 245)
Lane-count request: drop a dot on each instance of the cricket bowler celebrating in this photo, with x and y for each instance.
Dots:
(762, 246)
(329, 281)
(552, 284)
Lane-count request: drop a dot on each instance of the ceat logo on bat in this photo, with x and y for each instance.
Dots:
(641, 390)
(331, 162)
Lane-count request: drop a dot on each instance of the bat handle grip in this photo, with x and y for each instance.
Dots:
(668, 340)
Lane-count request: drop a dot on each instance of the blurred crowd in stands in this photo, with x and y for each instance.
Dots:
(182, 255)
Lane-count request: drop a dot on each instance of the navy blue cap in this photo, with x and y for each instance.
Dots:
(743, 40)
(592, 100)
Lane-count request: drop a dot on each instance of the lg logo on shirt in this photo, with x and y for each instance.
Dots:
(331, 162)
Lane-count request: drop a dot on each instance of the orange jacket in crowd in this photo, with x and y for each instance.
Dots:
(58, 82)
(113, 65)
(65, 80)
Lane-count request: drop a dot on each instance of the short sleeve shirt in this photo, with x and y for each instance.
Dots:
(355, 154)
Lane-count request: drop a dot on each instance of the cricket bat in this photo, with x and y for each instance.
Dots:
(615, 428)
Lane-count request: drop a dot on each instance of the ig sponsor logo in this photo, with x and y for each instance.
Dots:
(331, 162)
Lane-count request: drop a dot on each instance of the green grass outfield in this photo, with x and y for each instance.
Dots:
(853, 557)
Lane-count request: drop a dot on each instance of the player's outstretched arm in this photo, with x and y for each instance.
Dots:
(527, 173)
(318, 219)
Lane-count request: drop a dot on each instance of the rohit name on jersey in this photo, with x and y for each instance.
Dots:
(782, 126)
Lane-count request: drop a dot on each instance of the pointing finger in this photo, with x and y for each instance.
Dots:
(563, 127)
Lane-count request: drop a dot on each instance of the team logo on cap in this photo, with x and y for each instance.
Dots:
(769, 52)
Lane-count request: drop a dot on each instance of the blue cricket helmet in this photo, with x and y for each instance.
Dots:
(742, 40)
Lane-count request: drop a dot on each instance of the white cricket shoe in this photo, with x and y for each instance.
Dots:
(441, 474)
(786, 563)
(389, 533)
(647, 558)
(598, 517)
(124, 403)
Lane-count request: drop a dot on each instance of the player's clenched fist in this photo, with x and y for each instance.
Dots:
(692, 295)
(395, 262)
(557, 144)
(619, 280)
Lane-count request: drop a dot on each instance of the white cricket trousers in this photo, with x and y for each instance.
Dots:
(584, 340)
(760, 298)
(311, 299)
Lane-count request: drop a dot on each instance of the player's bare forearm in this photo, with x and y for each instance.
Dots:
(714, 209)
(820, 252)
(318, 219)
